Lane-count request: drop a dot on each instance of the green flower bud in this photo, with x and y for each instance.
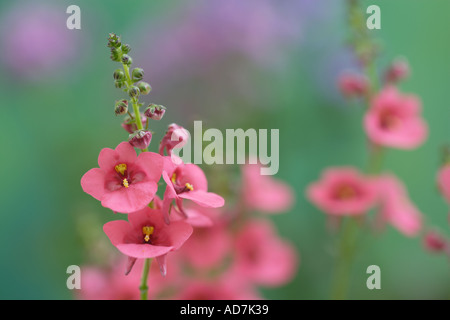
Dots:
(115, 55)
(126, 48)
(119, 83)
(114, 41)
(126, 59)
(144, 87)
(137, 74)
(119, 74)
(134, 92)
(121, 107)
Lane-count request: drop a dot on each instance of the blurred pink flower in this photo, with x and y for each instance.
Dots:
(353, 84)
(343, 191)
(105, 284)
(443, 179)
(435, 242)
(186, 181)
(264, 193)
(397, 71)
(207, 247)
(394, 120)
(261, 257)
(147, 236)
(124, 182)
(396, 207)
(35, 40)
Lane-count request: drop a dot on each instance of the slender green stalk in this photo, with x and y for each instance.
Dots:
(134, 101)
(366, 52)
(347, 250)
(145, 271)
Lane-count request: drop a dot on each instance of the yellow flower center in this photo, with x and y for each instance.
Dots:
(189, 186)
(125, 183)
(346, 192)
(121, 168)
(147, 231)
(174, 178)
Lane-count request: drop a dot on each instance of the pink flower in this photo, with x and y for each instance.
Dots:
(261, 257)
(396, 208)
(343, 191)
(147, 236)
(124, 182)
(435, 242)
(264, 193)
(398, 70)
(176, 137)
(207, 247)
(394, 120)
(186, 181)
(444, 181)
(353, 84)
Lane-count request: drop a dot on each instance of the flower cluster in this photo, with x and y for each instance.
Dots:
(230, 254)
(127, 183)
(392, 119)
(214, 253)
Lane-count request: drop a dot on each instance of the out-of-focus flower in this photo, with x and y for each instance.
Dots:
(343, 191)
(35, 41)
(261, 257)
(443, 179)
(396, 207)
(124, 182)
(186, 181)
(264, 193)
(208, 246)
(397, 71)
(353, 84)
(394, 120)
(435, 242)
(146, 235)
(108, 284)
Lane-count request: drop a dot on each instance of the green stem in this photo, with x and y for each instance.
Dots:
(145, 271)
(134, 101)
(347, 249)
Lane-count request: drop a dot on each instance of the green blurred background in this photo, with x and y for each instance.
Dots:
(55, 122)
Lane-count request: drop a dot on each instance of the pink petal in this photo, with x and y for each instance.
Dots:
(194, 218)
(177, 233)
(146, 216)
(126, 152)
(134, 198)
(143, 251)
(191, 173)
(169, 166)
(205, 199)
(117, 231)
(107, 159)
(162, 264)
(152, 164)
(93, 183)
